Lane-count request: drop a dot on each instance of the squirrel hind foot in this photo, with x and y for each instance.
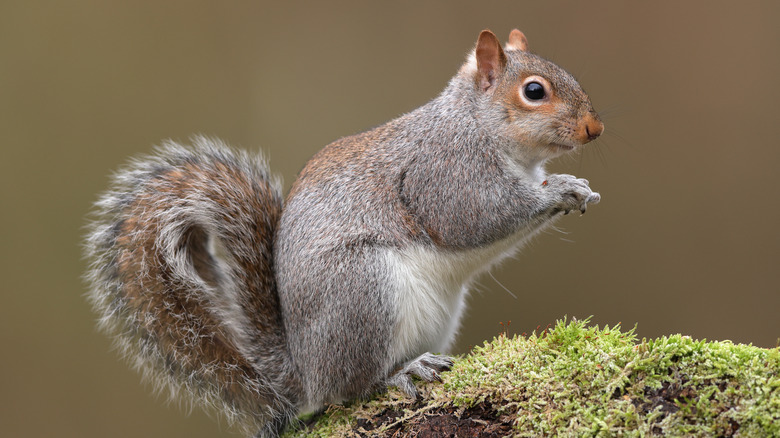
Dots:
(427, 367)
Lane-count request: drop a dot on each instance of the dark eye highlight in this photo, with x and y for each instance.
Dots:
(534, 91)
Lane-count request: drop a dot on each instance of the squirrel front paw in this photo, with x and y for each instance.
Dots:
(570, 193)
(427, 367)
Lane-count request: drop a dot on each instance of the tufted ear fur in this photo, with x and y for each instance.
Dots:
(517, 41)
(491, 59)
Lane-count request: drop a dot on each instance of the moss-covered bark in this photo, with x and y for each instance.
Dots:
(576, 380)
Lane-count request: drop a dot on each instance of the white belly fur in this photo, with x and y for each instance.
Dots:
(431, 287)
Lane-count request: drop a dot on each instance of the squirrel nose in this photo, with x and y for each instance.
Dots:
(593, 128)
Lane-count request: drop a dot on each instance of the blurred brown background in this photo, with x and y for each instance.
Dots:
(686, 238)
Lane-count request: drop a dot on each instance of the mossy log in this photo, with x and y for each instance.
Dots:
(579, 380)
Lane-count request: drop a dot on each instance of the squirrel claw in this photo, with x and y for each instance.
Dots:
(427, 367)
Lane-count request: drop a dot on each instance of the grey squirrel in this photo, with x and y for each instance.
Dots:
(211, 287)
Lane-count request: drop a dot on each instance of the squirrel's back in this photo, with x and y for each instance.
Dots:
(181, 276)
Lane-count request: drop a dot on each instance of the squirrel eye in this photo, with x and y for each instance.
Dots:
(534, 91)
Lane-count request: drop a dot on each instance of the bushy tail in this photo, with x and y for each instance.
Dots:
(181, 276)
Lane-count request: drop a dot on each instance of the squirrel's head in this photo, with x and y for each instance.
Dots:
(542, 106)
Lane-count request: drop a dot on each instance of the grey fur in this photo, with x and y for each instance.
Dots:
(312, 296)
(169, 264)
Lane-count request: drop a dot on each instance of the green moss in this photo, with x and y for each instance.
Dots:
(588, 381)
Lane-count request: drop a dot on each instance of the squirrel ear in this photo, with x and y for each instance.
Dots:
(491, 59)
(517, 41)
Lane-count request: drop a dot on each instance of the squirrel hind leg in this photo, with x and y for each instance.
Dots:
(427, 367)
